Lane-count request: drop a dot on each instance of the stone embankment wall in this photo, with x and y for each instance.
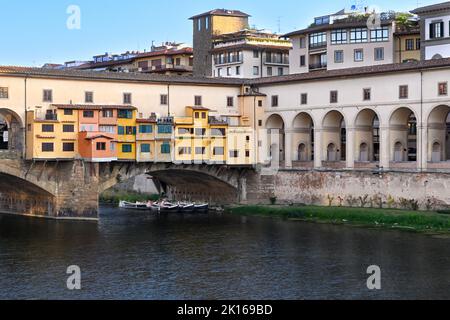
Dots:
(353, 188)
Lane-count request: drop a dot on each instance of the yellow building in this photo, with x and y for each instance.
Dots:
(407, 45)
(146, 140)
(164, 138)
(52, 135)
(165, 61)
(126, 130)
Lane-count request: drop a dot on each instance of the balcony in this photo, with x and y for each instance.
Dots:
(317, 46)
(228, 60)
(271, 60)
(318, 66)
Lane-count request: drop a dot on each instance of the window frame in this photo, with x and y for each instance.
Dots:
(443, 93)
(4, 92)
(90, 95)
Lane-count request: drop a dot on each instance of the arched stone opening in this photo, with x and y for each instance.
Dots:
(438, 149)
(303, 139)
(276, 138)
(11, 131)
(334, 134)
(403, 137)
(367, 138)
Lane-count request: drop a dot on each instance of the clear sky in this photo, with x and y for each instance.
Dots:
(35, 32)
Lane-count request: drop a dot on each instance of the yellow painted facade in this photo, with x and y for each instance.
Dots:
(126, 138)
(407, 48)
(146, 141)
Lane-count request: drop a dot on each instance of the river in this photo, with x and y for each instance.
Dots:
(131, 255)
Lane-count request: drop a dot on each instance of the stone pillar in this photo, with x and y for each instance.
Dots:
(317, 148)
(78, 190)
(288, 149)
(385, 151)
(422, 147)
(350, 156)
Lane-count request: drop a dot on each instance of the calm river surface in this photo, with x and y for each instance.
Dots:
(131, 255)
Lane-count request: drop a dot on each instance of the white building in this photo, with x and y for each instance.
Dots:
(435, 30)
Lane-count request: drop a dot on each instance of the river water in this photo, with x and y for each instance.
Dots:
(133, 255)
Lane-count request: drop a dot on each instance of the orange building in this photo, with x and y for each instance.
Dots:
(97, 147)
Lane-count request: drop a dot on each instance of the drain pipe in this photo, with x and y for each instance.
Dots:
(422, 123)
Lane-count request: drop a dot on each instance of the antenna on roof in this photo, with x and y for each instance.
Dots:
(279, 25)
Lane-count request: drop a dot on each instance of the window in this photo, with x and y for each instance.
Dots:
(219, 72)
(234, 153)
(178, 61)
(198, 101)
(107, 113)
(199, 24)
(229, 71)
(274, 101)
(436, 30)
(145, 148)
(238, 70)
(200, 150)
(218, 132)
(367, 94)
(108, 129)
(203, 115)
(89, 97)
(129, 131)
(127, 148)
(256, 71)
(164, 99)
(68, 128)
(164, 128)
(47, 96)
(247, 153)
(379, 54)
(443, 88)
(3, 93)
(280, 71)
(333, 96)
(338, 36)
(358, 35)
(302, 61)
(68, 112)
(127, 98)
(165, 148)
(260, 103)
(125, 114)
(358, 55)
(338, 56)
(302, 41)
(317, 40)
(409, 44)
(260, 123)
(68, 147)
(269, 71)
(200, 131)
(304, 98)
(48, 128)
(207, 23)
(145, 128)
(379, 34)
(219, 151)
(112, 146)
(184, 150)
(47, 147)
(88, 114)
(255, 54)
(418, 44)
(403, 92)
(230, 101)
(101, 146)
(121, 131)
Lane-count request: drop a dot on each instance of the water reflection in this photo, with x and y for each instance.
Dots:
(130, 255)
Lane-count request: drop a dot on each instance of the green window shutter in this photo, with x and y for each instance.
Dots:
(121, 130)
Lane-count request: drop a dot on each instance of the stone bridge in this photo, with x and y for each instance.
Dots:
(70, 189)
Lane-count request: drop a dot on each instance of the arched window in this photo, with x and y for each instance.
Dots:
(302, 154)
(364, 152)
(331, 152)
(399, 152)
(436, 155)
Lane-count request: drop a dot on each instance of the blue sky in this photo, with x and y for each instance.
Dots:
(35, 32)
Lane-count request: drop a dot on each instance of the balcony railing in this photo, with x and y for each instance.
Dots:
(318, 66)
(232, 59)
(315, 46)
(277, 60)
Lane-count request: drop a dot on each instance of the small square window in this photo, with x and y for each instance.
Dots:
(260, 103)
(302, 60)
(230, 101)
(367, 94)
(89, 97)
(333, 96)
(164, 99)
(47, 96)
(443, 88)
(338, 56)
(358, 55)
(198, 101)
(127, 98)
(3, 93)
(403, 92)
(304, 98)
(68, 112)
(274, 101)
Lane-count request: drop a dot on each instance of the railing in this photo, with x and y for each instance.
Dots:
(318, 66)
(225, 60)
(319, 45)
(277, 60)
